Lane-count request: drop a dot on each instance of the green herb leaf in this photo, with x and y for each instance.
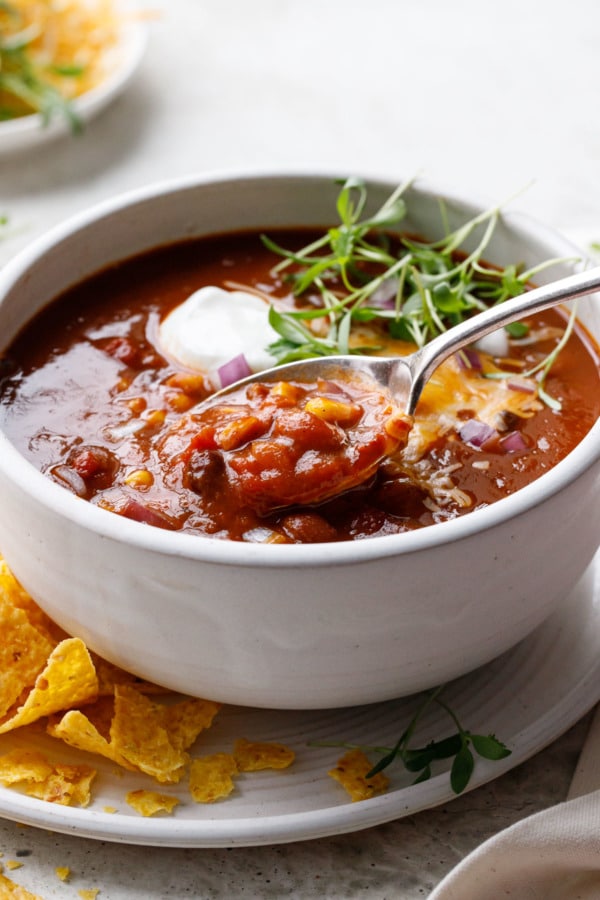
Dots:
(488, 746)
(517, 329)
(462, 769)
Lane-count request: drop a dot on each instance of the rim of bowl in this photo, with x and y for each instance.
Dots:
(213, 550)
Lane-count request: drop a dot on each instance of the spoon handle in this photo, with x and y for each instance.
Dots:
(428, 358)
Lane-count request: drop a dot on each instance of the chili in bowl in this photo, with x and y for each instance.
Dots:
(212, 549)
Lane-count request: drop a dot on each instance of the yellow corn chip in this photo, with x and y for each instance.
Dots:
(139, 735)
(150, 802)
(68, 680)
(211, 777)
(31, 771)
(12, 864)
(11, 891)
(23, 654)
(24, 765)
(251, 756)
(88, 894)
(184, 721)
(351, 771)
(63, 872)
(67, 785)
(78, 731)
(17, 596)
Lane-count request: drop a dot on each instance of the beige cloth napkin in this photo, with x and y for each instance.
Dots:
(553, 855)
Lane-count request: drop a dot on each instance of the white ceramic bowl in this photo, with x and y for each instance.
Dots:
(292, 626)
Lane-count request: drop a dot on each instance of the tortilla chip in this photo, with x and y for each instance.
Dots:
(150, 802)
(76, 729)
(68, 679)
(351, 771)
(211, 777)
(24, 765)
(23, 654)
(138, 734)
(251, 756)
(63, 872)
(37, 777)
(184, 721)
(67, 785)
(11, 891)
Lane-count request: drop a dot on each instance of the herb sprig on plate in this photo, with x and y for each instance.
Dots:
(416, 288)
(460, 746)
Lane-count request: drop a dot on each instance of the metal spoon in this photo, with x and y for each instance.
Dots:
(406, 376)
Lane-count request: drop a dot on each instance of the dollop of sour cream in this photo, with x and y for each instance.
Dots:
(213, 326)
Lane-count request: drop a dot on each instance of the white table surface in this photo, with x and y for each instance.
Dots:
(483, 99)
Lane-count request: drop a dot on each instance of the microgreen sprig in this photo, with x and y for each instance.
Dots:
(427, 286)
(432, 289)
(458, 746)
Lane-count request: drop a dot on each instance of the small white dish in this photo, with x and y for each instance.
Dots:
(527, 697)
(29, 131)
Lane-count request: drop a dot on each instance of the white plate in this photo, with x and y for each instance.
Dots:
(29, 131)
(527, 697)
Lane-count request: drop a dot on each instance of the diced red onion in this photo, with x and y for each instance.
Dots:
(234, 370)
(384, 297)
(514, 442)
(469, 359)
(137, 511)
(522, 386)
(70, 479)
(476, 433)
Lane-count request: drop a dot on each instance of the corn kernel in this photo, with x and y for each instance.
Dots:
(276, 538)
(239, 432)
(333, 411)
(139, 478)
(283, 390)
(137, 405)
(398, 427)
(187, 382)
(179, 401)
(155, 417)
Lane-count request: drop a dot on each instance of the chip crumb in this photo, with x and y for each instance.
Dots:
(109, 809)
(88, 893)
(351, 772)
(211, 777)
(150, 802)
(13, 864)
(251, 756)
(62, 872)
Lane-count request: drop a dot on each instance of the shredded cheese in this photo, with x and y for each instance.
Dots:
(440, 411)
(68, 42)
